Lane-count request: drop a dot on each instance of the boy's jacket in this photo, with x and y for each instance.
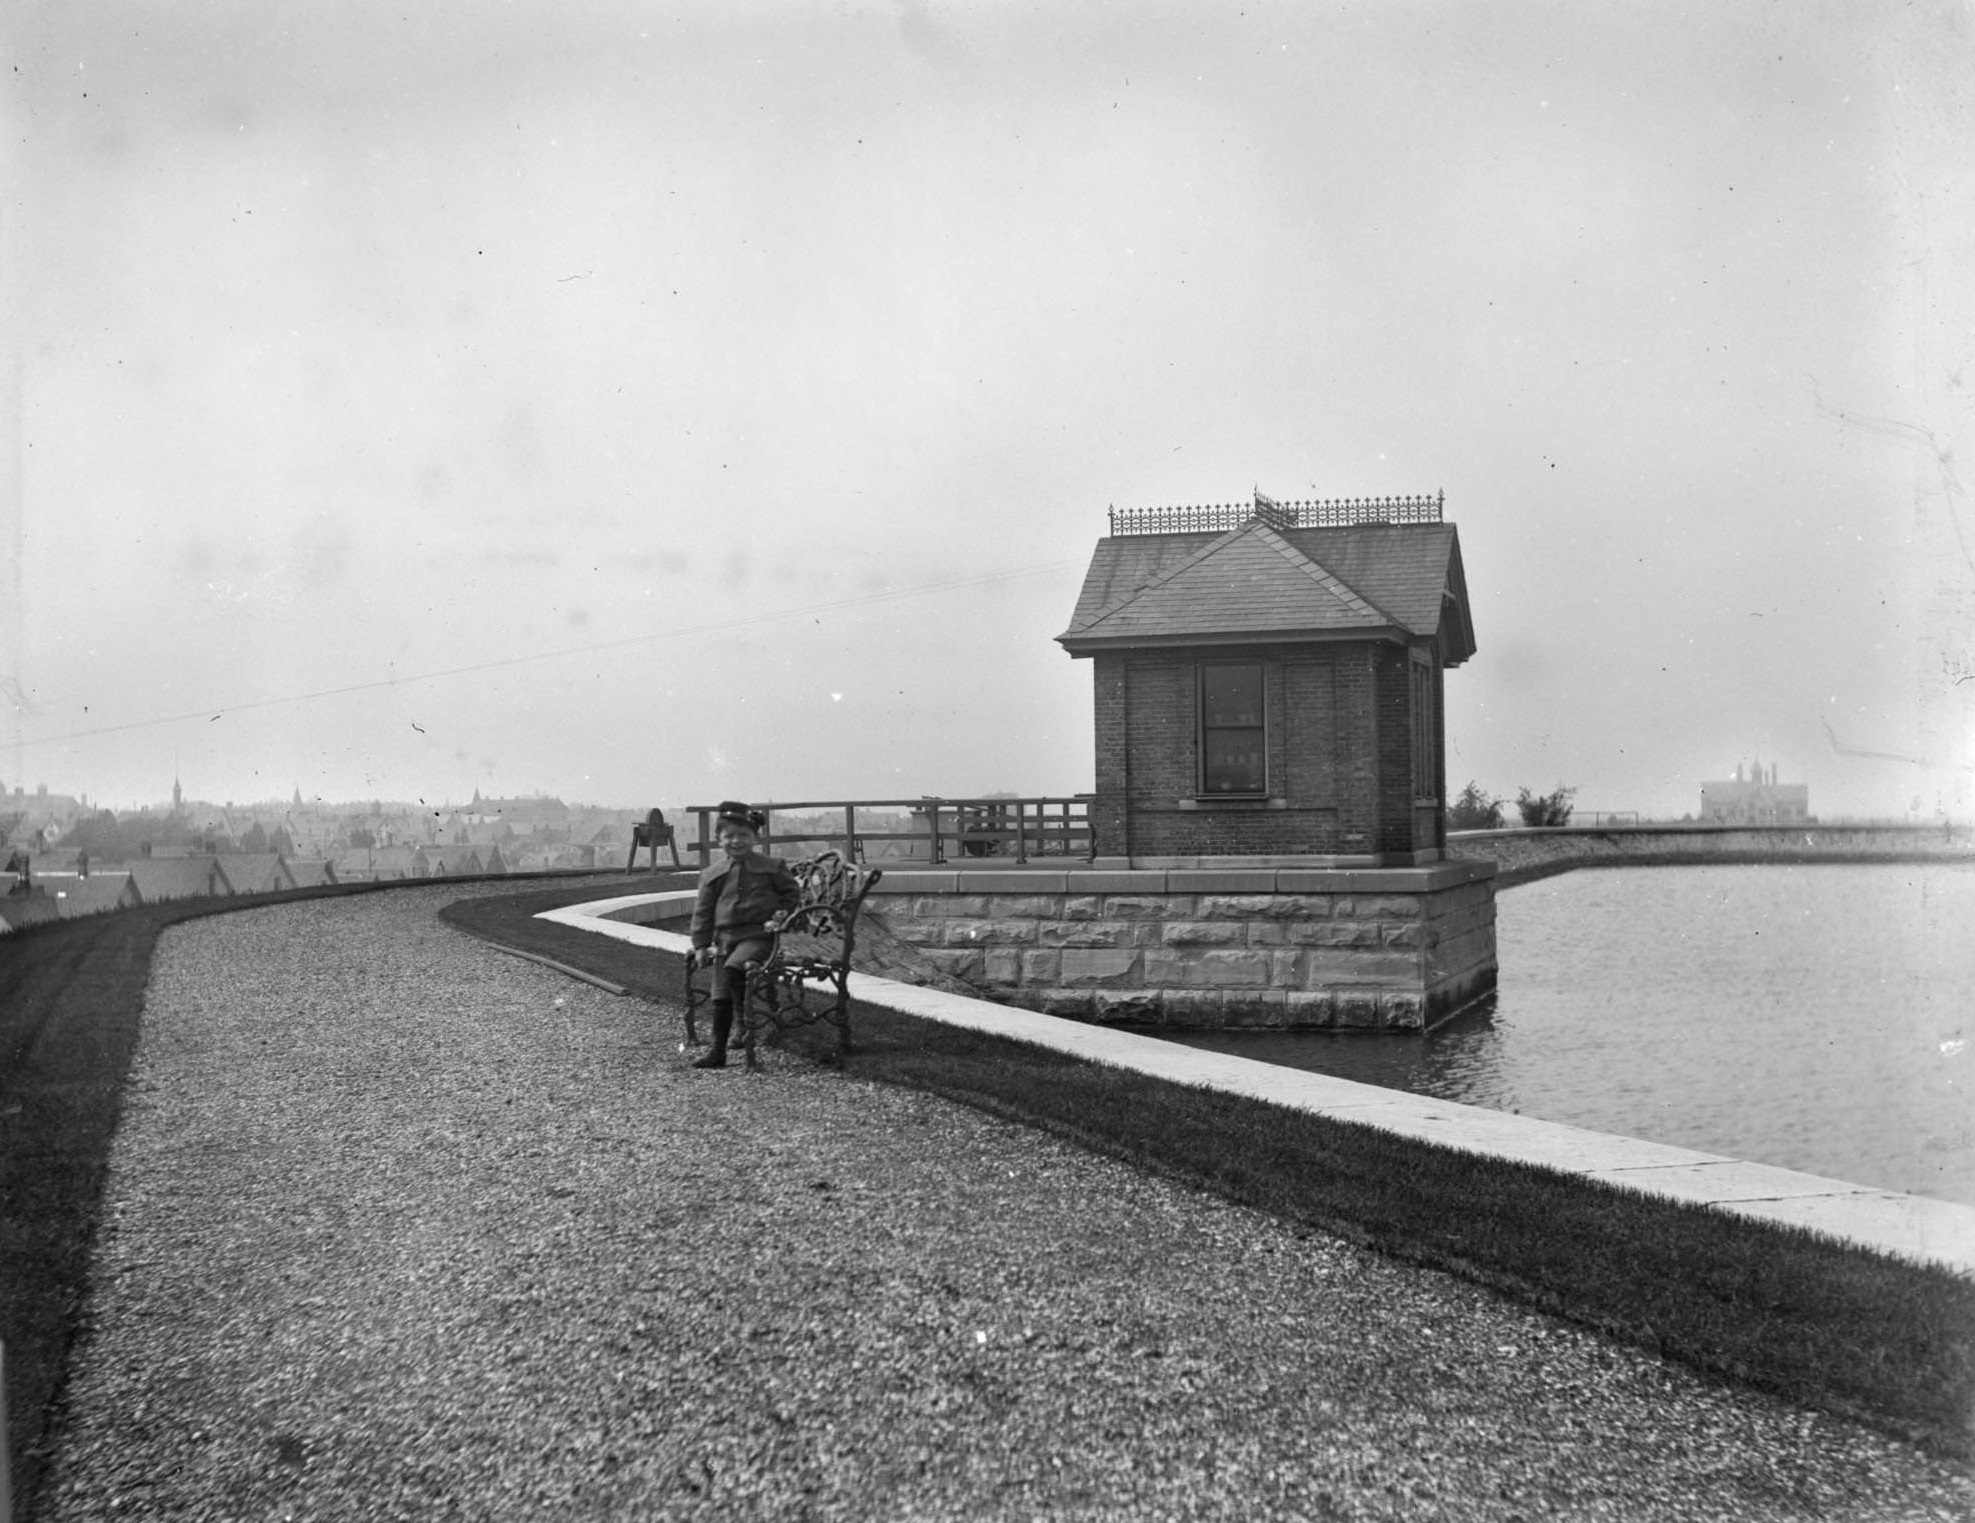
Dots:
(767, 889)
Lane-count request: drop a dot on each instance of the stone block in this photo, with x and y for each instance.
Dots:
(1309, 1007)
(1260, 907)
(1333, 933)
(1343, 965)
(1085, 933)
(1148, 907)
(1234, 906)
(1214, 880)
(1389, 906)
(1357, 1009)
(1012, 880)
(1408, 934)
(1138, 1007)
(1402, 1010)
(967, 966)
(1081, 906)
(950, 906)
(1075, 1002)
(1024, 906)
(1131, 881)
(1148, 933)
(1165, 970)
(1000, 933)
(1286, 970)
(1081, 968)
(920, 933)
(1250, 1008)
(1221, 969)
(1196, 1009)
(1205, 933)
(903, 880)
(1041, 967)
(1002, 965)
(1310, 881)
(1267, 933)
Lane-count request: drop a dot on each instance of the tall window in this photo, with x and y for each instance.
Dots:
(1233, 752)
(1425, 763)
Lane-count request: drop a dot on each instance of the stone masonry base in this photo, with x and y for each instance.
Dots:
(1347, 948)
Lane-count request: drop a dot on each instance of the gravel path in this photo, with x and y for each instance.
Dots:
(400, 1227)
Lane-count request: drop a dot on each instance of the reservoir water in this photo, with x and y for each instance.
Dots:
(1817, 1017)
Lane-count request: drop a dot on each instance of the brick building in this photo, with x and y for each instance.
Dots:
(1268, 681)
(1756, 798)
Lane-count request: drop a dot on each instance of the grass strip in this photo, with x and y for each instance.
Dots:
(1817, 1321)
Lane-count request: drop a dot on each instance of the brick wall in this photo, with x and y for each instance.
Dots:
(1340, 755)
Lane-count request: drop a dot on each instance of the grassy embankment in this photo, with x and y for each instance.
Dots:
(1831, 1326)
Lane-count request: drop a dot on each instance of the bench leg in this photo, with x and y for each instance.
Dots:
(841, 1019)
(695, 997)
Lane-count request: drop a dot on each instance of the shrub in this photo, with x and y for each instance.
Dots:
(1546, 808)
(1474, 810)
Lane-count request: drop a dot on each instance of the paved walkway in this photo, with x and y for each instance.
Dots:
(399, 1227)
(1910, 1226)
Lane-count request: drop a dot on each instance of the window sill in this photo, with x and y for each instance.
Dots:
(1233, 801)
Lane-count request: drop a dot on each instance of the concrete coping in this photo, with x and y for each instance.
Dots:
(1913, 1227)
(1431, 878)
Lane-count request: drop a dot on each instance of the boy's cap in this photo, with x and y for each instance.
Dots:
(734, 813)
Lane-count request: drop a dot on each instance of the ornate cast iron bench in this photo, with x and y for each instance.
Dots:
(805, 977)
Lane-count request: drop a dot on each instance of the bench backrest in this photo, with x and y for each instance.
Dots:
(828, 879)
(822, 927)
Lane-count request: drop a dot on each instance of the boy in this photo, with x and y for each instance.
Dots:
(743, 895)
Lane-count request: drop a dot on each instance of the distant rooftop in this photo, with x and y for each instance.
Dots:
(1323, 513)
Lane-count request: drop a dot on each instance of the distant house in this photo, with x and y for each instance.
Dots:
(461, 861)
(1755, 798)
(18, 911)
(153, 880)
(254, 872)
(382, 864)
(76, 895)
(311, 872)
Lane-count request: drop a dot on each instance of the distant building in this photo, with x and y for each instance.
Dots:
(1755, 798)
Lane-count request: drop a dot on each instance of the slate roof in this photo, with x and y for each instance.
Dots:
(156, 878)
(309, 872)
(18, 911)
(75, 895)
(455, 860)
(254, 872)
(1258, 582)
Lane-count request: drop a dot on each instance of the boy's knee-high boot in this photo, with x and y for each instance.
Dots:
(723, 1028)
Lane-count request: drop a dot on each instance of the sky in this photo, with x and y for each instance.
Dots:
(647, 403)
